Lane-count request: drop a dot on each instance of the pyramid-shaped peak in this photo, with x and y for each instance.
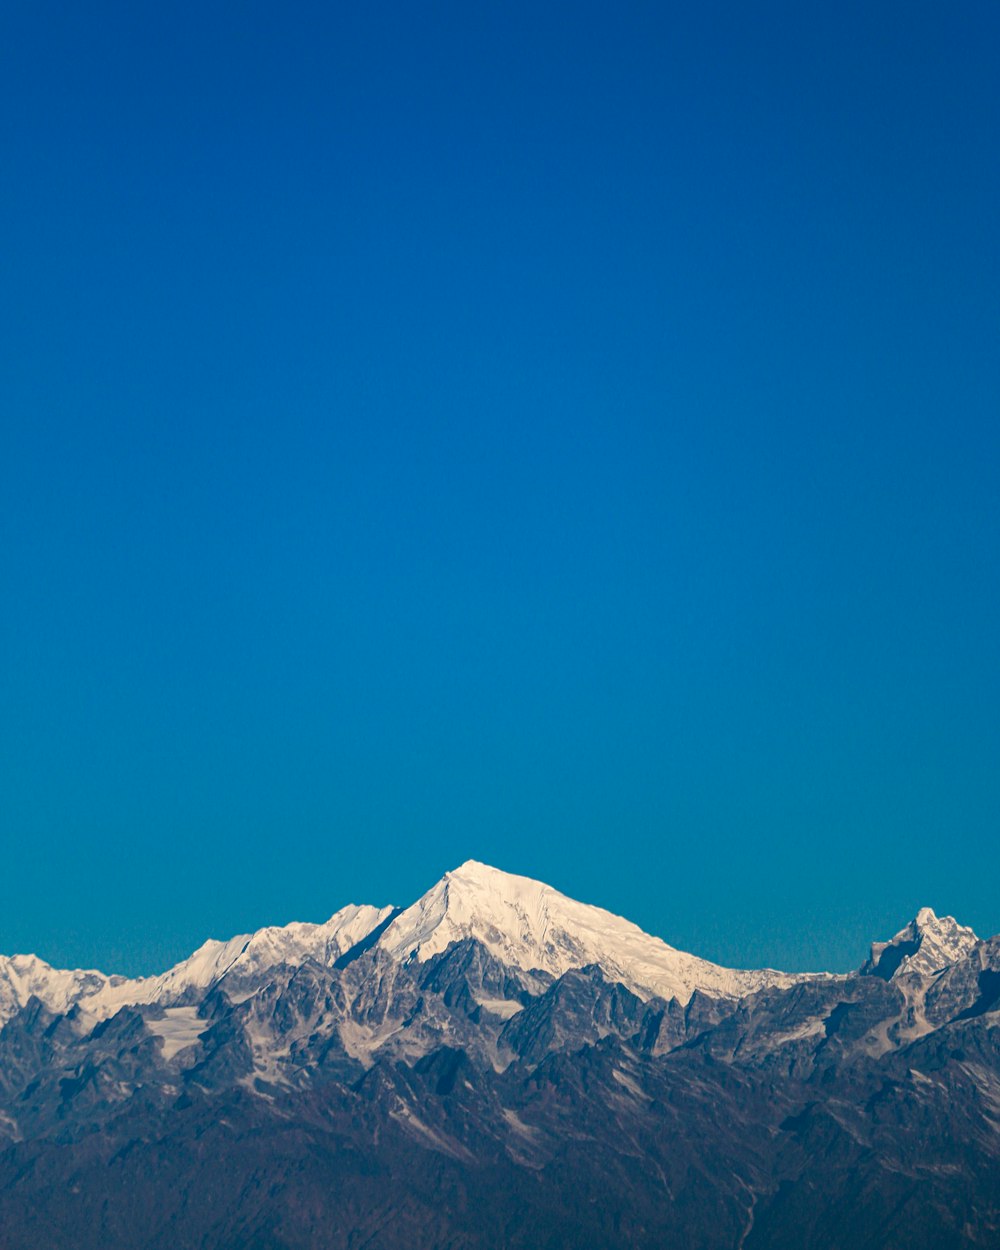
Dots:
(529, 925)
(927, 945)
(475, 870)
(477, 900)
(475, 890)
(928, 922)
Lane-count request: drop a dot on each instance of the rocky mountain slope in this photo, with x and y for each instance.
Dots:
(500, 1066)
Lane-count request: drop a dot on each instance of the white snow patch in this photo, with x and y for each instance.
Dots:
(408, 1119)
(518, 1125)
(630, 1084)
(812, 1027)
(180, 1027)
(921, 1078)
(502, 1007)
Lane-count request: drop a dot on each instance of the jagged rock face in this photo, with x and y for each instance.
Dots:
(437, 1077)
(243, 959)
(927, 945)
(524, 924)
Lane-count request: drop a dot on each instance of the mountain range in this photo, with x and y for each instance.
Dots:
(498, 1065)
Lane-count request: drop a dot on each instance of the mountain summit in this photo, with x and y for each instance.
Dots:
(499, 1067)
(522, 923)
(245, 957)
(529, 925)
(928, 944)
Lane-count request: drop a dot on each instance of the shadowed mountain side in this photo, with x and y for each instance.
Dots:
(329, 1088)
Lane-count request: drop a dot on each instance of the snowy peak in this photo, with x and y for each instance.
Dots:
(243, 958)
(529, 925)
(926, 946)
(511, 915)
(254, 953)
(251, 954)
(23, 977)
(523, 923)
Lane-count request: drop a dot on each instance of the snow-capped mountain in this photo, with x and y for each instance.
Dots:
(496, 1067)
(243, 958)
(528, 925)
(524, 923)
(925, 946)
(23, 977)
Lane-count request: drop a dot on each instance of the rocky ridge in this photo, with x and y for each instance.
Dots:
(498, 1066)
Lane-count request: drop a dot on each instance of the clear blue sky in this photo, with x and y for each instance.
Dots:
(560, 435)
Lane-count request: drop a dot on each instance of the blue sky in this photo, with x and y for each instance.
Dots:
(559, 435)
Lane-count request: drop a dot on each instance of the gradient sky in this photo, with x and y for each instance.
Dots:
(559, 435)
